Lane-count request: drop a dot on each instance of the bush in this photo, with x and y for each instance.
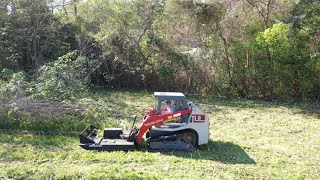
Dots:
(14, 84)
(64, 78)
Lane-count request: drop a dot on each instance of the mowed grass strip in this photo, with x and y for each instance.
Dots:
(248, 140)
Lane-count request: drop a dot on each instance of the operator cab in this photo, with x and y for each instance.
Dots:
(177, 102)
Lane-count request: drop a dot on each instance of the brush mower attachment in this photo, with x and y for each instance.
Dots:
(113, 139)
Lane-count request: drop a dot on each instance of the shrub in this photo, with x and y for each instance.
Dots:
(64, 78)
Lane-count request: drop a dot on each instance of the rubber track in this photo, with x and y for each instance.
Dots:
(167, 140)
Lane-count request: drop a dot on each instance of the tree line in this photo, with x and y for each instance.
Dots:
(246, 48)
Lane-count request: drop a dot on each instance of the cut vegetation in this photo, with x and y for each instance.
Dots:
(248, 139)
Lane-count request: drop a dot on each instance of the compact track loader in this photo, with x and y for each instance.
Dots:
(174, 124)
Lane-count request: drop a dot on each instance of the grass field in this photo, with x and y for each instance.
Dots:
(248, 140)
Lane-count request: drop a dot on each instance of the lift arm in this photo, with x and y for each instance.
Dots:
(157, 120)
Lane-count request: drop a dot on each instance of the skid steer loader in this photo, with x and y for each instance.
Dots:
(174, 124)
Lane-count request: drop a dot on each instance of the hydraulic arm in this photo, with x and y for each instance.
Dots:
(158, 120)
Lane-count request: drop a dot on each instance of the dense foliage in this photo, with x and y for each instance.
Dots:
(261, 49)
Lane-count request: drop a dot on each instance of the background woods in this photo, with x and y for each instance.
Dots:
(258, 49)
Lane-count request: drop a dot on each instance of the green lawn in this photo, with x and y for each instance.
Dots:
(248, 140)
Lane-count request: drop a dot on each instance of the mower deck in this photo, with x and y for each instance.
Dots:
(112, 140)
(109, 145)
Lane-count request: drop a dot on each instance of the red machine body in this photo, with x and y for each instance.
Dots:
(152, 119)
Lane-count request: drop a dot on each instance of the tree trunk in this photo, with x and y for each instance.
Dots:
(75, 8)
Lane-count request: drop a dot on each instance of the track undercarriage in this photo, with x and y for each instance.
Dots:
(180, 141)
